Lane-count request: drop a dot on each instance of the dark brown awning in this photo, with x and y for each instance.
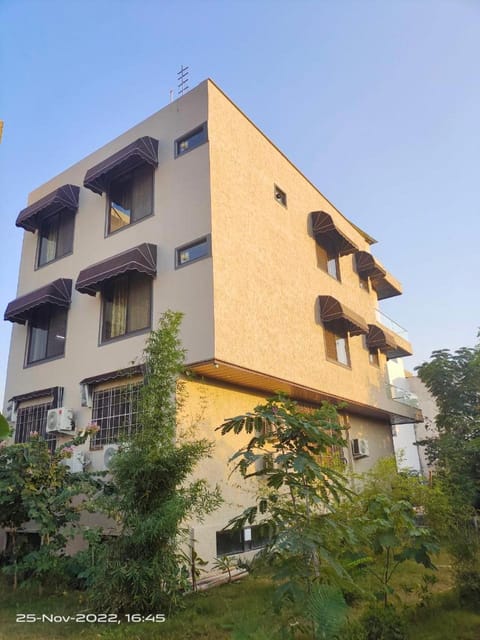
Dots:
(380, 338)
(142, 151)
(142, 259)
(62, 199)
(52, 392)
(326, 233)
(58, 293)
(383, 282)
(331, 310)
(128, 372)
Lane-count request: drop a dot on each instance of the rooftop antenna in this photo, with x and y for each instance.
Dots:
(182, 77)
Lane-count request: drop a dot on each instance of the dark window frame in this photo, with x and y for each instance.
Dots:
(207, 239)
(337, 334)
(326, 255)
(32, 363)
(201, 129)
(35, 417)
(128, 333)
(257, 540)
(124, 177)
(124, 396)
(61, 217)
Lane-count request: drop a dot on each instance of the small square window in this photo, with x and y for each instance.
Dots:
(47, 329)
(55, 237)
(196, 250)
(127, 302)
(373, 357)
(336, 347)
(191, 140)
(130, 198)
(279, 195)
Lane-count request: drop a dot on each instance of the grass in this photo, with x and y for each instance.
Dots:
(220, 614)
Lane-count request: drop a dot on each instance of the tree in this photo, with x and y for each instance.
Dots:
(454, 381)
(36, 485)
(289, 451)
(383, 515)
(150, 494)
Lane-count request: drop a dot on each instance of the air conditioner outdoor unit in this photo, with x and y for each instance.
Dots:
(60, 420)
(360, 448)
(108, 454)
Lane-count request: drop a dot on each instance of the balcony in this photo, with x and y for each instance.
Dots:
(402, 395)
(391, 324)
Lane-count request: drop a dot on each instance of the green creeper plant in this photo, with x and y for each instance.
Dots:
(150, 494)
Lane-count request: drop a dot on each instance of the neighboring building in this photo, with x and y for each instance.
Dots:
(426, 429)
(195, 210)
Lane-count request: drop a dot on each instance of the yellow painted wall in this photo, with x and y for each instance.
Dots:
(266, 278)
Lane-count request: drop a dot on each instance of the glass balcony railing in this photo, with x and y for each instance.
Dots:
(391, 325)
(403, 396)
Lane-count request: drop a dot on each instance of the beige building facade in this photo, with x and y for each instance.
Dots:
(196, 210)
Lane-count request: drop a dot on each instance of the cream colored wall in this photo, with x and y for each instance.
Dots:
(380, 441)
(207, 406)
(266, 278)
(182, 214)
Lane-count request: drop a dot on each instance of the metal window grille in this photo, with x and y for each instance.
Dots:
(115, 411)
(34, 418)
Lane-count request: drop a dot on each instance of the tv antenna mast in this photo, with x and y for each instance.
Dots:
(182, 77)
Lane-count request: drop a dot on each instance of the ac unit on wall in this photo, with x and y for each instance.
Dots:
(360, 448)
(60, 420)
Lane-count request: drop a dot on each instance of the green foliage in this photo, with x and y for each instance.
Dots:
(383, 624)
(36, 485)
(4, 428)
(298, 488)
(226, 564)
(150, 494)
(454, 381)
(384, 515)
(328, 610)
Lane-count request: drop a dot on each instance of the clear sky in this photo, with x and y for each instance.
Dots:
(376, 101)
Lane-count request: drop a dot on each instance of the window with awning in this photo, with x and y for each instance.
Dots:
(140, 259)
(56, 294)
(62, 201)
(141, 152)
(383, 282)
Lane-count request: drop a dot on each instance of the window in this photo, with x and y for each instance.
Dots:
(47, 330)
(194, 251)
(126, 305)
(373, 353)
(191, 140)
(130, 198)
(336, 347)
(327, 260)
(55, 237)
(279, 195)
(239, 541)
(364, 283)
(115, 411)
(34, 418)
(373, 357)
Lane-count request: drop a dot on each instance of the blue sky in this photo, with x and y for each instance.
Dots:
(377, 102)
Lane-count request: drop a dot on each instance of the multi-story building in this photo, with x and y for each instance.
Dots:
(196, 210)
